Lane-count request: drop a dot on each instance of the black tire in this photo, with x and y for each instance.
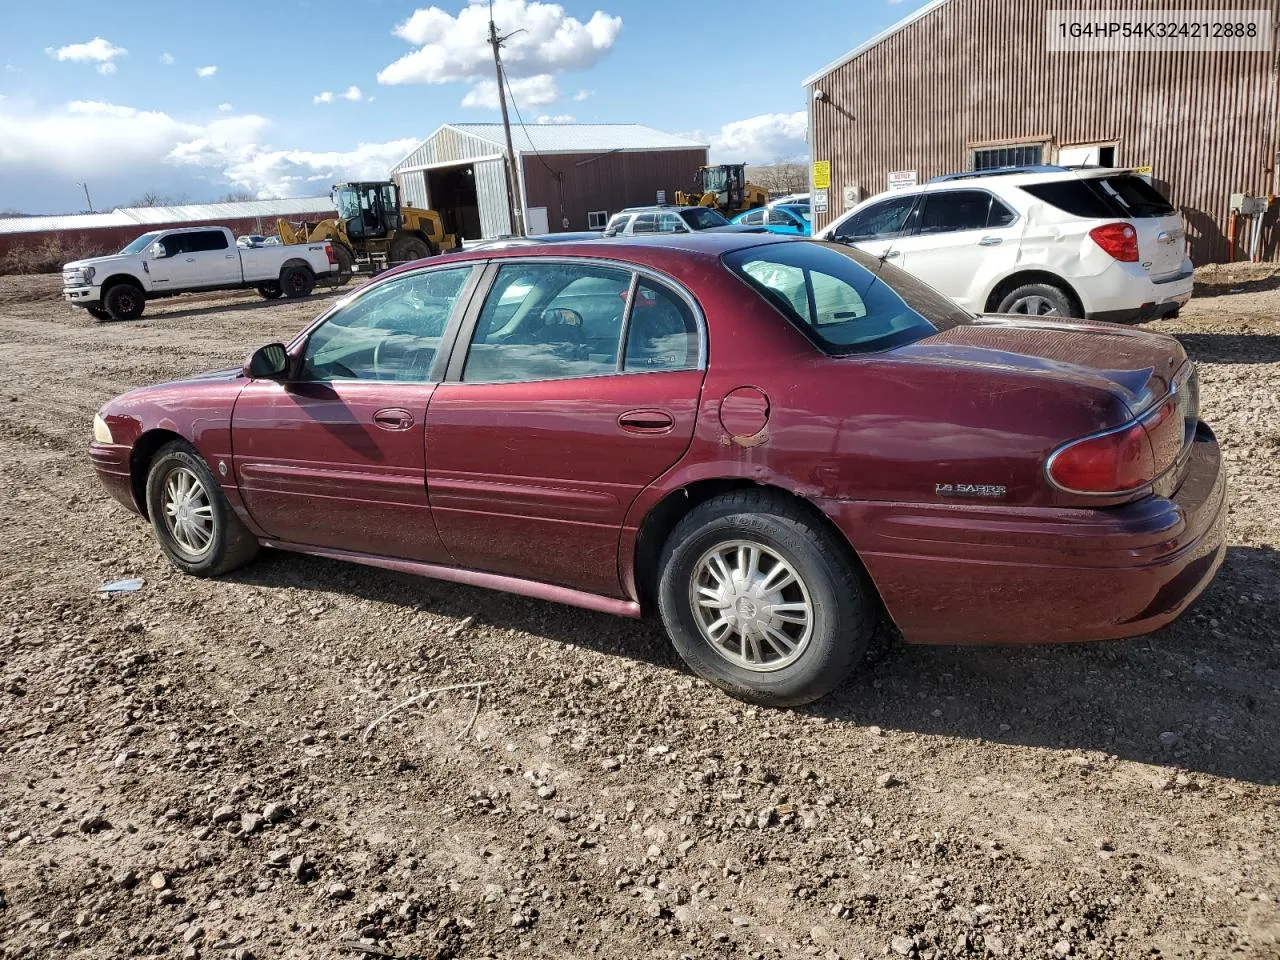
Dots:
(297, 282)
(124, 301)
(97, 313)
(408, 248)
(346, 264)
(1038, 300)
(270, 291)
(841, 609)
(230, 544)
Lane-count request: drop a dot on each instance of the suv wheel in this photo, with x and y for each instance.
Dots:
(1037, 300)
(763, 600)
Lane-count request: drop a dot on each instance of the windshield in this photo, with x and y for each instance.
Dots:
(842, 299)
(141, 243)
(715, 179)
(703, 218)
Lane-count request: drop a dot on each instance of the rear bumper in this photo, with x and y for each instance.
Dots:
(1127, 294)
(987, 574)
(111, 462)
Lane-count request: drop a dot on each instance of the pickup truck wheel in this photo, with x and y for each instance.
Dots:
(270, 291)
(296, 282)
(97, 313)
(407, 249)
(124, 301)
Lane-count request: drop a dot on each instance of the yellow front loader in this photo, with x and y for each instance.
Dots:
(372, 231)
(724, 188)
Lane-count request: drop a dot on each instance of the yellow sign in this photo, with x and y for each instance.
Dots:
(1143, 171)
(821, 174)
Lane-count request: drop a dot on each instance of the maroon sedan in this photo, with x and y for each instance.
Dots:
(766, 441)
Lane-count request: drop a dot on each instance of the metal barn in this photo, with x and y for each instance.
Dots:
(571, 176)
(969, 84)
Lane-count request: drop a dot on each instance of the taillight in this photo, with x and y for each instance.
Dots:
(1114, 462)
(1118, 239)
(328, 252)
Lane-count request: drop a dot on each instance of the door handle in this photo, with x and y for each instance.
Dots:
(990, 241)
(646, 421)
(393, 418)
(229, 256)
(191, 259)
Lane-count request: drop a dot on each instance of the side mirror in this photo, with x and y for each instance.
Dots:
(157, 251)
(267, 363)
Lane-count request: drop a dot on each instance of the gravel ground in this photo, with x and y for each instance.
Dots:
(186, 769)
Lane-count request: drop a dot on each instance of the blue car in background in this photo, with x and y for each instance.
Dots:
(788, 218)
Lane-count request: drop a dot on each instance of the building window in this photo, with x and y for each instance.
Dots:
(1015, 155)
(597, 219)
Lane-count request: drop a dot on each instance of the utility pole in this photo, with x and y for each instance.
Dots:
(513, 208)
(86, 195)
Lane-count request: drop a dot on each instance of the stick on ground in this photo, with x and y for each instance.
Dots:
(423, 694)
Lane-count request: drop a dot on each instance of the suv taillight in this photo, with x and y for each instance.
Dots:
(1124, 459)
(1118, 239)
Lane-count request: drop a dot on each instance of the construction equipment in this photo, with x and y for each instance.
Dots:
(372, 231)
(724, 188)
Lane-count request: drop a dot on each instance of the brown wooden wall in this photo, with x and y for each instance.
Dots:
(609, 182)
(976, 72)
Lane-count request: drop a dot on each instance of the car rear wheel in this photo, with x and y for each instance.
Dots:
(196, 527)
(270, 291)
(297, 281)
(1037, 300)
(124, 301)
(763, 600)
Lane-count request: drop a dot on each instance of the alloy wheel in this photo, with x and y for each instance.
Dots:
(752, 605)
(188, 512)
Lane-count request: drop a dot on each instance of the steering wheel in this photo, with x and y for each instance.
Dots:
(377, 349)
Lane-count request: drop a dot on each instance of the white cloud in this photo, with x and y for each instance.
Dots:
(106, 69)
(129, 150)
(225, 108)
(557, 118)
(761, 139)
(582, 95)
(208, 71)
(535, 91)
(454, 49)
(352, 93)
(96, 50)
(167, 59)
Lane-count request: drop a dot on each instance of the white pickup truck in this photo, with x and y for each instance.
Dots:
(168, 262)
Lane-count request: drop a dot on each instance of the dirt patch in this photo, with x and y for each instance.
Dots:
(186, 770)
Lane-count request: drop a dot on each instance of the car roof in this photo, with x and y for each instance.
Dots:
(662, 208)
(658, 250)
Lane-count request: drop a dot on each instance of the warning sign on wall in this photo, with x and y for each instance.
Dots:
(821, 174)
(902, 179)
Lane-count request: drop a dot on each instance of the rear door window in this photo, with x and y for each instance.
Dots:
(948, 211)
(645, 223)
(205, 240)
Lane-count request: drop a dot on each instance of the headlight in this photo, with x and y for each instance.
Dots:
(101, 432)
(88, 274)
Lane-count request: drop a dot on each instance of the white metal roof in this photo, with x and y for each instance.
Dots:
(579, 137)
(875, 41)
(185, 213)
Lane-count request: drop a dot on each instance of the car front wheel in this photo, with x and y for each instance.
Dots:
(763, 600)
(196, 527)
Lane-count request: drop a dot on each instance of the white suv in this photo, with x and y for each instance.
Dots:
(1099, 243)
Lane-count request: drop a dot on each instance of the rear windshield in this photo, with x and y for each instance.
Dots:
(844, 300)
(703, 219)
(1103, 198)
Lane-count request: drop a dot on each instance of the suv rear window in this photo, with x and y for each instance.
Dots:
(1102, 198)
(842, 299)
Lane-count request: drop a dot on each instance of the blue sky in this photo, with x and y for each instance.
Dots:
(282, 97)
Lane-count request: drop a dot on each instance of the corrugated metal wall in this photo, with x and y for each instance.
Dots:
(413, 188)
(975, 72)
(491, 196)
(447, 145)
(609, 182)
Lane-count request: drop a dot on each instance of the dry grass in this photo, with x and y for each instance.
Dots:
(48, 255)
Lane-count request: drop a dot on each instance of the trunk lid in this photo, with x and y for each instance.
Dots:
(1161, 235)
(1136, 366)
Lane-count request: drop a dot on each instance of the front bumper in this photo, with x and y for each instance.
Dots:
(86, 296)
(112, 462)
(989, 574)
